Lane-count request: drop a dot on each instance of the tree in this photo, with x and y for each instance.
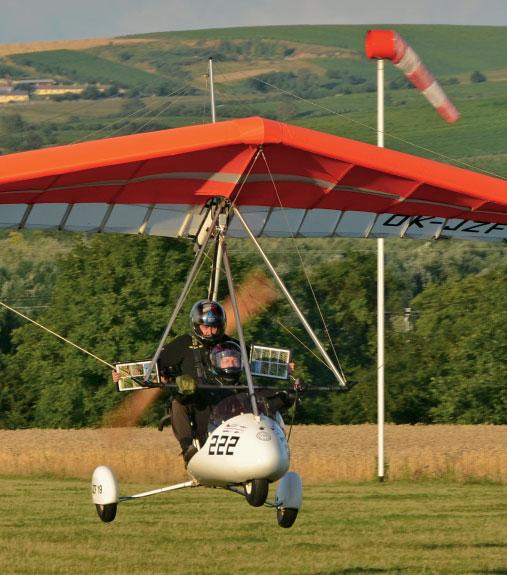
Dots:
(462, 342)
(346, 293)
(112, 296)
(92, 93)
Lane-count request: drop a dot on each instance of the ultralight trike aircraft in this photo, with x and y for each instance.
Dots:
(246, 448)
(253, 178)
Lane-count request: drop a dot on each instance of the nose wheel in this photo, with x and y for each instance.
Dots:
(256, 492)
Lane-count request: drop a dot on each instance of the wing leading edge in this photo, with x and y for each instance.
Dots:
(286, 180)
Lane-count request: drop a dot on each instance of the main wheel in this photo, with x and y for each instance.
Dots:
(256, 492)
(286, 516)
(106, 512)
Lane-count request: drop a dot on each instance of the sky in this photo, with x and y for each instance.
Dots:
(35, 20)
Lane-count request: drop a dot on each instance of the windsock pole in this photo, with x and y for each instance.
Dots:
(380, 291)
(381, 45)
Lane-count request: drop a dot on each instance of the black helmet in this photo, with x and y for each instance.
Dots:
(210, 313)
(225, 361)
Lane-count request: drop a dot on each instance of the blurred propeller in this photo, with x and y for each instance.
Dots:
(254, 296)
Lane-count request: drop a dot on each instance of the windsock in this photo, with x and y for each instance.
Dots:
(381, 44)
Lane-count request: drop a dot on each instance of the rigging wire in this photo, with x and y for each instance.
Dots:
(157, 79)
(141, 112)
(66, 340)
(244, 178)
(163, 109)
(374, 129)
(292, 334)
(205, 101)
(303, 267)
(70, 342)
(227, 93)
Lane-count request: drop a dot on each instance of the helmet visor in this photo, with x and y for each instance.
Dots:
(208, 321)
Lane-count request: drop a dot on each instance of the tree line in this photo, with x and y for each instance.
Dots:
(112, 295)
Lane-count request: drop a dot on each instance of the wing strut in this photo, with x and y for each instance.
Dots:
(329, 362)
(186, 288)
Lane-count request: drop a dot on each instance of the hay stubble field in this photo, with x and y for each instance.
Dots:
(321, 454)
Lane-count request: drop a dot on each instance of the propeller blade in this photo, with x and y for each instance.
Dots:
(254, 296)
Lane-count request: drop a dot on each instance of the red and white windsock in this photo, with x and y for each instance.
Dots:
(381, 44)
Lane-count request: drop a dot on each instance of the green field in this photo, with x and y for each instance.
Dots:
(83, 67)
(50, 526)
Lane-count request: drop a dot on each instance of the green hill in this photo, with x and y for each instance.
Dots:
(446, 49)
(316, 76)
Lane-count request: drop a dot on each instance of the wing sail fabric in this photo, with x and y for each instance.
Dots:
(286, 181)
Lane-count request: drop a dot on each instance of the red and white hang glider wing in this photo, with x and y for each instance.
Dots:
(286, 180)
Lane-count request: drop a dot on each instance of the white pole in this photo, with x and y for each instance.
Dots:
(380, 289)
(239, 330)
(218, 265)
(380, 103)
(218, 262)
(212, 90)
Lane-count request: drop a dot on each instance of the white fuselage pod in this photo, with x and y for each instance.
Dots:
(242, 448)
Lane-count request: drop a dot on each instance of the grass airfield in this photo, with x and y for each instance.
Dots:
(50, 526)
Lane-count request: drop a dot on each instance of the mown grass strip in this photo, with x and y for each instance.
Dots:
(50, 526)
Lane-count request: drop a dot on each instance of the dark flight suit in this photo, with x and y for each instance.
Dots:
(186, 355)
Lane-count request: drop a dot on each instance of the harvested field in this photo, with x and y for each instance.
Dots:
(321, 454)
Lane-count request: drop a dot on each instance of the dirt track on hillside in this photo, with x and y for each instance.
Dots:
(25, 47)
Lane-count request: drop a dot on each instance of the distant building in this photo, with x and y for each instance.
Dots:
(31, 81)
(8, 95)
(48, 90)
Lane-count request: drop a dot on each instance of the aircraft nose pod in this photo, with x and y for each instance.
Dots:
(241, 449)
(105, 488)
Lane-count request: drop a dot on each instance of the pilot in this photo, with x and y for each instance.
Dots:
(206, 357)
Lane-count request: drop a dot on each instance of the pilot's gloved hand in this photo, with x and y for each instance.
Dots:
(186, 384)
(299, 385)
(283, 400)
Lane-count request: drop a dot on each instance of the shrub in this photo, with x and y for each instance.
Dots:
(477, 77)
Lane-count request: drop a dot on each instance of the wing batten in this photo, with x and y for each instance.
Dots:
(184, 221)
